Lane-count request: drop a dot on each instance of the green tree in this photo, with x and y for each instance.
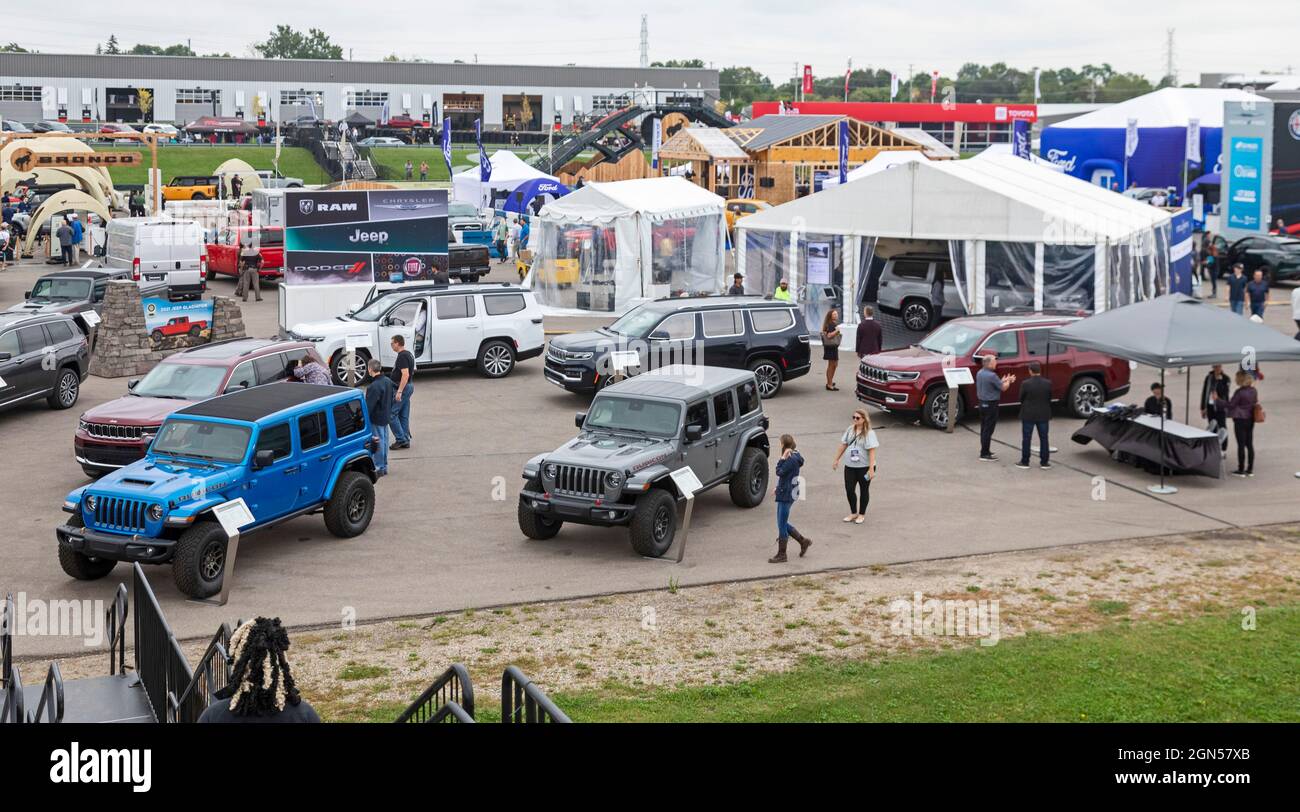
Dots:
(13, 48)
(145, 49)
(679, 63)
(112, 47)
(739, 86)
(287, 43)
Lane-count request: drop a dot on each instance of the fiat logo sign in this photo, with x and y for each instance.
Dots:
(1293, 125)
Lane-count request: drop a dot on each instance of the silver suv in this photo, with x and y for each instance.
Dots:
(905, 289)
(617, 471)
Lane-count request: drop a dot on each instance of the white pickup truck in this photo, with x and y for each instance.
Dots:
(270, 181)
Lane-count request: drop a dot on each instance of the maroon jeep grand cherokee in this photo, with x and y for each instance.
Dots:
(910, 380)
(117, 433)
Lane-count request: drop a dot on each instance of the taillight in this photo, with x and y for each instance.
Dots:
(135, 269)
(203, 263)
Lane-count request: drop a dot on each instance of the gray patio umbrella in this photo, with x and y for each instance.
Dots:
(1173, 331)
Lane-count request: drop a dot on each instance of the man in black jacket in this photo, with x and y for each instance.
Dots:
(869, 336)
(1035, 414)
(1214, 396)
(380, 395)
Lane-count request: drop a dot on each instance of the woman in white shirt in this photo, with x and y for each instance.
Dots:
(860, 443)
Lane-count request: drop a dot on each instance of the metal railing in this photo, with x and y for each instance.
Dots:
(51, 701)
(449, 699)
(115, 620)
(7, 619)
(522, 702)
(210, 675)
(11, 709)
(159, 661)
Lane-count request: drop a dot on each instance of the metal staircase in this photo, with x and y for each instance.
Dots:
(450, 699)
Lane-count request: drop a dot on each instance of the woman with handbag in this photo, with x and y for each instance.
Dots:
(1244, 410)
(831, 337)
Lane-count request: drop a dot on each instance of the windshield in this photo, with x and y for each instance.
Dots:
(625, 414)
(61, 290)
(637, 322)
(185, 381)
(375, 309)
(208, 441)
(461, 210)
(953, 337)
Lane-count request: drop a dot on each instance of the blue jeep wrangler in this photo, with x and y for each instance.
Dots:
(286, 449)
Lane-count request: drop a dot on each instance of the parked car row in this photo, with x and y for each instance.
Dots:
(1278, 257)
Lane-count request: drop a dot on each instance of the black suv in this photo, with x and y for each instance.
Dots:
(741, 332)
(41, 356)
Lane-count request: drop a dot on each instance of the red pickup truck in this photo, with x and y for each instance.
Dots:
(223, 255)
(179, 326)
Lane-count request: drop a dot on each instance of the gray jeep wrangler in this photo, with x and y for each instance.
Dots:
(636, 432)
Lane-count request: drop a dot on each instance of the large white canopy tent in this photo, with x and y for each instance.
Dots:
(509, 172)
(1018, 236)
(609, 246)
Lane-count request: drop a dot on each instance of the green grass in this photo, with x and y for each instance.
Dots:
(295, 162)
(390, 162)
(1204, 670)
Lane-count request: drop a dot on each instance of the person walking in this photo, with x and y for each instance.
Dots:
(380, 394)
(64, 236)
(514, 238)
(261, 687)
(6, 238)
(1214, 403)
(409, 168)
(78, 234)
(1211, 263)
(236, 187)
(782, 292)
(250, 263)
(1237, 289)
(831, 337)
(1244, 410)
(424, 170)
(787, 491)
(500, 233)
(1257, 292)
(403, 372)
(988, 389)
(860, 443)
(1035, 415)
(936, 298)
(870, 335)
(738, 287)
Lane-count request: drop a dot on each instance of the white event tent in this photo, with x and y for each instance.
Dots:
(608, 246)
(509, 172)
(1019, 236)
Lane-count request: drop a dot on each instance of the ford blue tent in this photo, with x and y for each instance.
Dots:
(522, 195)
(1091, 146)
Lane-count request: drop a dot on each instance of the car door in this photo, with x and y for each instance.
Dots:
(1011, 360)
(671, 342)
(456, 329)
(274, 489)
(272, 368)
(244, 377)
(727, 433)
(407, 320)
(701, 455)
(315, 458)
(724, 338)
(1055, 359)
(25, 374)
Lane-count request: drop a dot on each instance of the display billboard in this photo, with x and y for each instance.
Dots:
(1247, 161)
(1286, 162)
(341, 237)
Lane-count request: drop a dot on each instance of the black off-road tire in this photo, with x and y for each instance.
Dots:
(748, 484)
(81, 566)
(533, 524)
(654, 523)
(351, 506)
(199, 560)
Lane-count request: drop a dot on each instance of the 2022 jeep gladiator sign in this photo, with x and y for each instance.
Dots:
(618, 470)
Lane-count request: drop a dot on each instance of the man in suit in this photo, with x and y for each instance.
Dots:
(1035, 414)
(870, 335)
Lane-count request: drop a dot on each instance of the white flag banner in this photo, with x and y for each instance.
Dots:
(893, 86)
(1038, 92)
(1131, 138)
(1193, 153)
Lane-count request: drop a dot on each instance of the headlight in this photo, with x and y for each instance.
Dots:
(91, 503)
(155, 512)
(614, 480)
(577, 356)
(550, 470)
(902, 376)
(83, 426)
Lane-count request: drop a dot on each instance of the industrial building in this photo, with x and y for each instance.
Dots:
(140, 89)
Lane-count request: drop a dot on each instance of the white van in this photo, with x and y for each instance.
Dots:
(159, 249)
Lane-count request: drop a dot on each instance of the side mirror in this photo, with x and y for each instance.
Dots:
(131, 384)
(4, 356)
(27, 294)
(235, 387)
(694, 432)
(263, 459)
(579, 419)
(659, 335)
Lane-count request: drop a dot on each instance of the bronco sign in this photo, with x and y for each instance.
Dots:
(25, 160)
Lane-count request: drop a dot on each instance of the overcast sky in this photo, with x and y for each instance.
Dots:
(771, 35)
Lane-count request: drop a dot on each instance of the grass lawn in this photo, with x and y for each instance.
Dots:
(390, 162)
(295, 162)
(1204, 670)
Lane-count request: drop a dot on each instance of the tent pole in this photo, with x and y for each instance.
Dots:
(1162, 488)
(1187, 402)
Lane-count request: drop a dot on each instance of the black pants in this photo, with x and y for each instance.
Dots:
(858, 488)
(1027, 428)
(1244, 431)
(988, 422)
(67, 254)
(1218, 419)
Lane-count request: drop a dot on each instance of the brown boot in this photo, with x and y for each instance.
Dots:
(804, 541)
(779, 558)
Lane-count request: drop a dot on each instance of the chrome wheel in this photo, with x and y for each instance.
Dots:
(350, 368)
(938, 410)
(916, 316)
(769, 379)
(497, 361)
(1088, 396)
(69, 387)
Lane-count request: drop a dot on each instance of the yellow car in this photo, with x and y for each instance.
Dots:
(191, 187)
(739, 207)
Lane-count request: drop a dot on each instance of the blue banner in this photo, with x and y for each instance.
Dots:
(446, 143)
(1245, 184)
(1020, 138)
(844, 150)
(1180, 252)
(484, 165)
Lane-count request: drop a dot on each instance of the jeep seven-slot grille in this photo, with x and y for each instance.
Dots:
(109, 431)
(574, 480)
(122, 515)
(874, 374)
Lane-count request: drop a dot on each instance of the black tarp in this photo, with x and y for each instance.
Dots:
(1186, 450)
(1176, 330)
